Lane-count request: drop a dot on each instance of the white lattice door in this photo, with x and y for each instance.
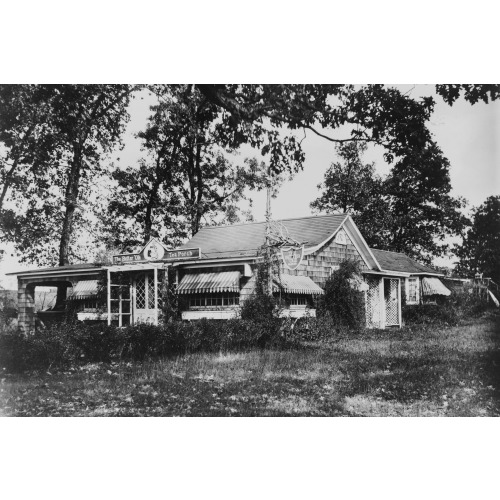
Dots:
(391, 296)
(373, 309)
(144, 299)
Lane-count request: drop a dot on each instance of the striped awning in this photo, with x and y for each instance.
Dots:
(297, 284)
(434, 286)
(227, 281)
(84, 289)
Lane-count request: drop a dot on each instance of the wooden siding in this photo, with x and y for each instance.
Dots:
(318, 265)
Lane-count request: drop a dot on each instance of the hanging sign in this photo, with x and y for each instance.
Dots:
(154, 250)
(185, 253)
(156, 253)
(292, 256)
(126, 258)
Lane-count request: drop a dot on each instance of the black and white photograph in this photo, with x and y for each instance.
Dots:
(249, 250)
(245, 253)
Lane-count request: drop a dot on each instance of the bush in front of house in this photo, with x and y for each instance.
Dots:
(71, 344)
(429, 314)
(321, 328)
(449, 311)
(342, 301)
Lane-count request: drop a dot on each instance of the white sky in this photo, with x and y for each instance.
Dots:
(468, 135)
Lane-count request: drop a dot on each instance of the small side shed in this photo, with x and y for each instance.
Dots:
(419, 282)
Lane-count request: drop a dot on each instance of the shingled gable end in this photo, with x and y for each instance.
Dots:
(215, 273)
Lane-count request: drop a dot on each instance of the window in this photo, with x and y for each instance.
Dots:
(412, 290)
(90, 305)
(299, 300)
(214, 300)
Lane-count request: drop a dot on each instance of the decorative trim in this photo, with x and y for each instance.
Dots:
(286, 263)
(368, 265)
(363, 241)
(314, 249)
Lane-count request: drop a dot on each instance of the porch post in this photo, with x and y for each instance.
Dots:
(109, 297)
(120, 323)
(382, 302)
(156, 294)
(400, 315)
(26, 307)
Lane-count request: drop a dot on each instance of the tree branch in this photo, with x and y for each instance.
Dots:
(341, 141)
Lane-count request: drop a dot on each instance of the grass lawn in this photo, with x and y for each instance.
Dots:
(408, 372)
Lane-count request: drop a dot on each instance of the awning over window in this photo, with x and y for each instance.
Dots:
(84, 289)
(228, 281)
(434, 286)
(297, 284)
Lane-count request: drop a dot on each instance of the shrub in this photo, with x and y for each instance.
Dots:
(449, 311)
(425, 314)
(341, 300)
(69, 344)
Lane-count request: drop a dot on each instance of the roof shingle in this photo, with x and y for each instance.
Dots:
(394, 261)
(244, 240)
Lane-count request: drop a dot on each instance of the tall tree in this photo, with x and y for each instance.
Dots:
(68, 129)
(410, 211)
(480, 251)
(78, 124)
(423, 213)
(352, 186)
(186, 175)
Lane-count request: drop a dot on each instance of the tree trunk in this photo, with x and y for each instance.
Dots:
(199, 194)
(70, 203)
(10, 173)
(61, 297)
(148, 220)
(8, 178)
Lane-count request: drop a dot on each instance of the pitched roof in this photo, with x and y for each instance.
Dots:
(394, 261)
(244, 240)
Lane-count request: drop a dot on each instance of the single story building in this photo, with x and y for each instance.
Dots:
(215, 272)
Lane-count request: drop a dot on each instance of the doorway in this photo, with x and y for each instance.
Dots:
(145, 299)
(391, 299)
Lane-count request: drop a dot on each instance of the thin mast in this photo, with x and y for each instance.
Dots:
(269, 284)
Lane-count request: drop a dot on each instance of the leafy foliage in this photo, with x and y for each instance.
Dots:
(185, 177)
(480, 251)
(376, 113)
(351, 186)
(69, 343)
(261, 307)
(342, 301)
(422, 211)
(55, 137)
(450, 312)
(409, 211)
(471, 92)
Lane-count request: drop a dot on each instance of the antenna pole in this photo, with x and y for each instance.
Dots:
(269, 277)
